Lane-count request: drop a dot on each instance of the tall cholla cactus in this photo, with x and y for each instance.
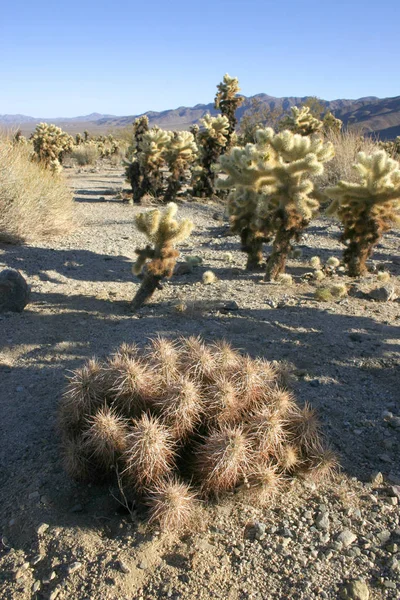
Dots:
(228, 101)
(211, 141)
(180, 153)
(144, 172)
(301, 121)
(277, 170)
(367, 209)
(50, 144)
(164, 232)
(140, 127)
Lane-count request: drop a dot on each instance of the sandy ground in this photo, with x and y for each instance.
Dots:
(63, 540)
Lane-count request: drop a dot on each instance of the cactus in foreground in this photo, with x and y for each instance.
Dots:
(212, 140)
(50, 143)
(180, 153)
(158, 260)
(367, 209)
(180, 420)
(228, 101)
(301, 121)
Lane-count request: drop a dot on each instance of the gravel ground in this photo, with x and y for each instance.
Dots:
(63, 540)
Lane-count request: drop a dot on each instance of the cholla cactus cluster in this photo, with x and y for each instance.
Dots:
(212, 140)
(227, 101)
(158, 258)
(331, 123)
(301, 121)
(367, 209)
(50, 143)
(182, 420)
(273, 190)
(155, 151)
(391, 147)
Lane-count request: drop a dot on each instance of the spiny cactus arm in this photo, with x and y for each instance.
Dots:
(245, 167)
(148, 222)
(145, 254)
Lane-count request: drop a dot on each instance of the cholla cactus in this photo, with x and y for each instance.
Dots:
(211, 141)
(301, 121)
(228, 101)
(331, 123)
(140, 127)
(180, 153)
(86, 135)
(18, 138)
(367, 209)
(183, 410)
(144, 172)
(79, 139)
(273, 190)
(50, 143)
(391, 147)
(164, 232)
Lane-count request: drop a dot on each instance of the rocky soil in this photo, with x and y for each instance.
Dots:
(60, 539)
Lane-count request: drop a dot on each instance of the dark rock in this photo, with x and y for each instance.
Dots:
(14, 291)
(383, 294)
(183, 268)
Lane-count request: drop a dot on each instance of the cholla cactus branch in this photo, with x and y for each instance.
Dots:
(367, 209)
(158, 259)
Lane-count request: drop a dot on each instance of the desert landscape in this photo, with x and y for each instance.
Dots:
(263, 237)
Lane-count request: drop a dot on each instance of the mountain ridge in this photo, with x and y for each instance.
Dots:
(374, 116)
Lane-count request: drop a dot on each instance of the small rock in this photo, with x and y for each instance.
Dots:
(143, 564)
(376, 478)
(123, 567)
(54, 594)
(43, 527)
(356, 590)
(36, 586)
(75, 566)
(259, 531)
(394, 491)
(322, 521)
(346, 537)
(383, 536)
(390, 585)
(37, 559)
(385, 293)
(230, 306)
(14, 291)
(183, 268)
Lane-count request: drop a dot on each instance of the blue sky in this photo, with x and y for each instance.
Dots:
(126, 57)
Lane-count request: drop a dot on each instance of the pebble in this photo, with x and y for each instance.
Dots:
(73, 567)
(376, 478)
(54, 594)
(122, 566)
(259, 530)
(322, 520)
(43, 527)
(383, 536)
(357, 590)
(37, 559)
(346, 537)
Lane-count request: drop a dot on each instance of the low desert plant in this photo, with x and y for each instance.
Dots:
(209, 422)
(34, 203)
(158, 260)
(209, 277)
(85, 154)
(368, 208)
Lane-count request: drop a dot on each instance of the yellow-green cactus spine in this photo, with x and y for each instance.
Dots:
(212, 140)
(227, 101)
(180, 154)
(301, 121)
(159, 257)
(367, 209)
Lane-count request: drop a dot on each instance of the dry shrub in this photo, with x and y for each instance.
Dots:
(85, 154)
(182, 419)
(347, 145)
(34, 203)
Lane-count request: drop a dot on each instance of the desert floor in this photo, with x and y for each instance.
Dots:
(61, 539)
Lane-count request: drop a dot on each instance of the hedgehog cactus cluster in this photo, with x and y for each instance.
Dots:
(181, 420)
(367, 209)
(50, 143)
(273, 192)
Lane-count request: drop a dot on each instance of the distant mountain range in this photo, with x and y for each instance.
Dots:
(375, 116)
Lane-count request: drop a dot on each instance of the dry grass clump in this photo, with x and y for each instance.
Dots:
(85, 154)
(34, 203)
(181, 420)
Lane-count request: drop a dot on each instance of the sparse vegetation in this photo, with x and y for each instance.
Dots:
(34, 203)
(182, 420)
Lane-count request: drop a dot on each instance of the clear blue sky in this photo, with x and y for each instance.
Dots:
(69, 58)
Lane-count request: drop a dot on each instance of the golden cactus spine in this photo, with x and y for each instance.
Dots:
(367, 209)
(158, 258)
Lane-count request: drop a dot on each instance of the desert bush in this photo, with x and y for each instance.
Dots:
(50, 144)
(33, 203)
(273, 192)
(158, 261)
(85, 154)
(180, 420)
(368, 208)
